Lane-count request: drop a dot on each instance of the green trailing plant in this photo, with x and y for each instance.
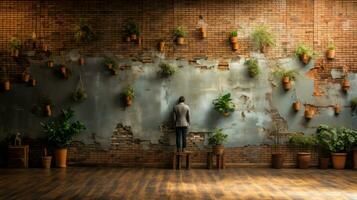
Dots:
(354, 104)
(336, 139)
(84, 32)
(303, 49)
(132, 28)
(223, 104)
(302, 140)
(61, 131)
(217, 137)
(14, 43)
(253, 67)
(166, 70)
(234, 33)
(129, 92)
(79, 95)
(331, 46)
(292, 74)
(180, 31)
(261, 37)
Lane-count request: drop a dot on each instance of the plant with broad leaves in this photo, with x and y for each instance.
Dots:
(223, 104)
(217, 137)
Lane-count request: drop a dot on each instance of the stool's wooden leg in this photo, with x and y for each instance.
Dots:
(218, 163)
(223, 162)
(179, 161)
(209, 160)
(174, 158)
(188, 161)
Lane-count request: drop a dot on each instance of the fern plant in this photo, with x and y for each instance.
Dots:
(303, 49)
(261, 37)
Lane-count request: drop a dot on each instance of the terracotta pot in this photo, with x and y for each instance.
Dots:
(133, 37)
(15, 53)
(203, 32)
(330, 54)
(235, 46)
(139, 41)
(263, 48)
(161, 46)
(303, 159)
(305, 58)
(296, 106)
(226, 114)
(218, 149)
(45, 47)
(127, 39)
(46, 162)
(26, 77)
(234, 40)
(110, 66)
(7, 85)
(33, 82)
(286, 83)
(277, 160)
(354, 152)
(309, 114)
(180, 40)
(114, 72)
(48, 110)
(323, 162)
(129, 101)
(337, 109)
(345, 85)
(81, 61)
(61, 157)
(63, 70)
(50, 64)
(338, 160)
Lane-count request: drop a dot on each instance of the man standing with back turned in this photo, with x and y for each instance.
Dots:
(182, 121)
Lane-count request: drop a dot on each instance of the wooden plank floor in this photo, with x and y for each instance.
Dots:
(138, 184)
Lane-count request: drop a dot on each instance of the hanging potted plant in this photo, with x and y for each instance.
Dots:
(262, 38)
(81, 61)
(253, 67)
(46, 159)
(15, 46)
(161, 45)
(216, 140)
(287, 77)
(47, 105)
(50, 61)
(306, 141)
(129, 96)
(337, 109)
(166, 70)
(338, 141)
(33, 82)
(6, 80)
(309, 112)
(112, 65)
(345, 85)
(296, 106)
(80, 94)
(26, 75)
(60, 133)
(224, 105)
(234, 40)
(132, 31)
(203, 32)
(304, 53)
(84, 32)
(331, 51)
(180, 33)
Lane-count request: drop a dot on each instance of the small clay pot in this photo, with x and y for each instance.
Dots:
(161, 46)
(180, 40)
(309, 114)
(48, 110)
(26, 77)
(323, 162)
(286, 83)
(303, 159)
(81, 61)
(234, 40)
(218, 149)
(129, 101)
(63, 70)
(226, 114)
(277, 160)
(203, 32)
(46, 162)
(45, 47)
(337, 109)
(15, 53)
(345, 85)
(133, 37)
(263, 49)
(235, 46)
(338, 160)
(7, 85)
(296, 106)
(50, 63)
(110, 66)
(330, 54)
(305, 58)
(127, 39)
(33, 82)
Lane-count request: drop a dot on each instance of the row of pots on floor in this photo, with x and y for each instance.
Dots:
(304, 158)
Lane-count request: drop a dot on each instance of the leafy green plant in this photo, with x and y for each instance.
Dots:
(253, 67)
(234, 33)
(79, 95)
(217, 137)
(180, 31)
(132, 28)
(14, 43)
(261, 37)
(336, 139)
(292, 74)
(303, 49)
(84, 32)
(111, 64)
(61, 131)
(223, 104)
(129, 92)
(331, 46)
(167, 70)
(302, 140)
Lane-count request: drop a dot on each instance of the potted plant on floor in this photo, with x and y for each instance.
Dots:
(233, 38)
(15, 46)
(331, 51)
(60, 133)
(277, 158)
(132, 31)
(287, 77)
(216, 140)
(253, 67)
(262, 38)
(304, 53)
(166, 70)
(129, 96)
(323, 144)
(224, 105)
(306, 141)
(180, 33)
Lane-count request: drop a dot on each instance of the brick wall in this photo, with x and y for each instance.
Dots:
(306, 21)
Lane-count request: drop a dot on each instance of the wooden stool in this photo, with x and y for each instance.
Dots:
(177, 158)
(18, 156)
(220, 162)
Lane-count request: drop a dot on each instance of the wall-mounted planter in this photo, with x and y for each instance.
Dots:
(50, 63)
(235, 46)
(337, 109)
(180, 40)
(133, 37)
(286, 83)
(309, 113)
(26, 77)
(15, 53)
(81, 61)
(127, 39)
(48, 110)
(234, 39)
(129, 101)
(296, 106)
(44, 47)
(330, 54)
(345, 85)
(203, 32)
(305, 58)
(161, 46)
(33, 82)
(7, 85)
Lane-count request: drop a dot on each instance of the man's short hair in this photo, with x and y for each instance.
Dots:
(181, 99)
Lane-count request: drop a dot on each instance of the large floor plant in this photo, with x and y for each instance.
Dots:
(216, 140)
(60, 133)
(305, 141)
